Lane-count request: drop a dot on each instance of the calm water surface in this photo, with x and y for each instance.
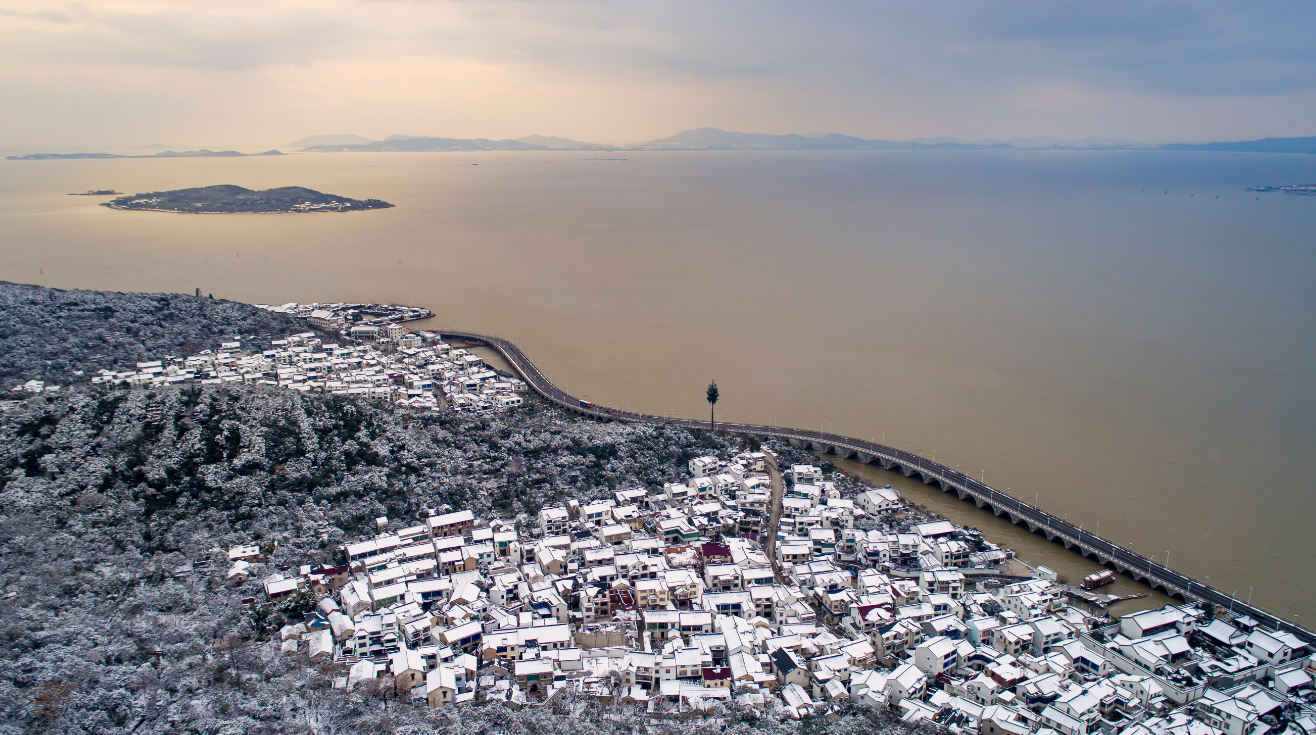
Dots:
(1126, 337)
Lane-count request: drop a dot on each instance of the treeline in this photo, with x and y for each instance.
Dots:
(49, 334)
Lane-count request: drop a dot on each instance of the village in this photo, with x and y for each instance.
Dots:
(682, 599)
(789, 594)
(381, 359)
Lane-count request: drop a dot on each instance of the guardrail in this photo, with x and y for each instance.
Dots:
(1055, 527)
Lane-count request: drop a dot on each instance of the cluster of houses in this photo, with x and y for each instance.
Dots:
(415, 369)
(652, 596)
(342, 317)
(330, 206)
(37, 386)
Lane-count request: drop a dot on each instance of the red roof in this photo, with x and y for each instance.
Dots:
(707, 550)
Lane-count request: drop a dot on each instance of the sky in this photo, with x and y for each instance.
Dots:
(98, 74)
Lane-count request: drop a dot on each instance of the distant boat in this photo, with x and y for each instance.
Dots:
(1098, 579)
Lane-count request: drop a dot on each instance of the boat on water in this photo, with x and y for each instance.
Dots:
(1098, 579)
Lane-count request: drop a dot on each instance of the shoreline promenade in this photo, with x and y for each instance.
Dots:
(1074, 538)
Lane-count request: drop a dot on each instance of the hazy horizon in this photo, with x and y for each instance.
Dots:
(248, 75)
(335, 139)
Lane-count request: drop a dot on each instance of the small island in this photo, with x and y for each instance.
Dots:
(203, 153)
(96, 193)
(229, 199)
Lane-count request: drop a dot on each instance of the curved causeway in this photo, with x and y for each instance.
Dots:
(984, 496)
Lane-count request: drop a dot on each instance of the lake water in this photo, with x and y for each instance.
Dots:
(1126, 337)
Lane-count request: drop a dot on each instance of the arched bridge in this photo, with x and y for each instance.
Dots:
(948, 480)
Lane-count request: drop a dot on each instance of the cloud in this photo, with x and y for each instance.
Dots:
(202, 36)
(877, 68)
(1177, 48)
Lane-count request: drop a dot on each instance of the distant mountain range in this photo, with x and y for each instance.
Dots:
(412, 143)
(1265, 145)
(701, 139)
(314, 140)
(715, 139)
(548, 141)
(162, 154)
(409, 144)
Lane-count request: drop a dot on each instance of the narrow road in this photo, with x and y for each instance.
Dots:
(774, 513)
(1054, 527)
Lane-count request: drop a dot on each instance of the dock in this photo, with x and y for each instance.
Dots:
(1100, 601)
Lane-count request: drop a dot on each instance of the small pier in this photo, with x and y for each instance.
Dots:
(1100, 602)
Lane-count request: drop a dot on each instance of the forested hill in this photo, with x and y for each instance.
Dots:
(48, 334)
(107, 497)
(116, 506)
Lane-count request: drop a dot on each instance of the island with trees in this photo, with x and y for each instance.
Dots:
(229, 199)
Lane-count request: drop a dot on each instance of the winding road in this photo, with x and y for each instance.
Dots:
(910, 464)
